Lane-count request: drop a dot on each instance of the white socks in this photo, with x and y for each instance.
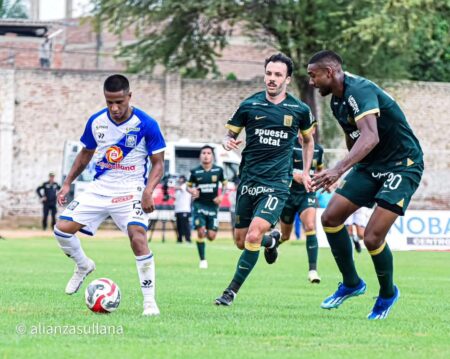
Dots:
(71, 246)
(146, 269)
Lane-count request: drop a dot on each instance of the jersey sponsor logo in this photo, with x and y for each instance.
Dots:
(207, 187)
(101, 127)
(254, 191)
(259, 104)
(312, 200)
(100, 135)
(289, 105)
(354, 135)
(114, 154)
(131, 141)
(122, 199)
(259, 117)
(132, 129)
(352, 102)
(115, 166)
(270, 137)
(288, 120)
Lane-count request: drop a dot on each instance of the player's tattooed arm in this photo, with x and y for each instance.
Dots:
(230, 141)
(366, 141)
(154, 177)
(80, 163)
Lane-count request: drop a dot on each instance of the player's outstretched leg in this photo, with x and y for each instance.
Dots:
(246, 262)
(201, 247)
(71, 246)
(271, 242)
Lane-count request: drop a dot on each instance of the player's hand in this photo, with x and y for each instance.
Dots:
(230, 143)
(195, 193)
(61, 195)
(147, 203)
(218, 199)
(297, 177)
(325, 179)
(306, 179)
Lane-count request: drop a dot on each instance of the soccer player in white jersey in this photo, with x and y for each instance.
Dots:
(120, 138)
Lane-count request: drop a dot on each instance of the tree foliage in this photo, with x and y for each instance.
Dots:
(382, 39)
(12, 9)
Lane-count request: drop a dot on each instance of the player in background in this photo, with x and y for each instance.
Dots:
(387, 166)
(305, 203)
(272, 120)
(203, 185)
(120, 139)
(356, 224)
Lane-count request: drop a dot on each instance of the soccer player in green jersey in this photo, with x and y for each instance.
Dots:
(387, 166)
(272, 120)
(204, 186)
(303, 202)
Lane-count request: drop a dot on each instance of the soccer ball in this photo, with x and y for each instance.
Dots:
(102, 296)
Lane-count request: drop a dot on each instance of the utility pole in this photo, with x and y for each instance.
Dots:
(34, 9)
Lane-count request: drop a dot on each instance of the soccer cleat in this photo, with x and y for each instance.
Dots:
(271, 254)
(313, 276)
(203, 264)
(150, 308)
(342, 294)
(78, 277)
(357, 244)
(226, 298)
(382, 306)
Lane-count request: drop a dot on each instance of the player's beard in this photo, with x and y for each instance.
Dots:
(274, 91)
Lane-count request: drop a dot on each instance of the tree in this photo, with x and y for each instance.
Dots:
(372, 36)
(12, 9)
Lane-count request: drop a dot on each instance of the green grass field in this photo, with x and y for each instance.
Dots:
(277, 313)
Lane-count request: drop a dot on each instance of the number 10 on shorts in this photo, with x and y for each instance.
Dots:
(272, 203)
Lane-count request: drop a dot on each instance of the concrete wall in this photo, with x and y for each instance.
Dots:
(39, 110)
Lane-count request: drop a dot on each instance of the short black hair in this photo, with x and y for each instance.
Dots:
(281, 58)
(207, 146)
(116, 83)
(325, 56)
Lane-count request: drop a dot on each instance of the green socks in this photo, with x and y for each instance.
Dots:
(384, 267)
(312, 248)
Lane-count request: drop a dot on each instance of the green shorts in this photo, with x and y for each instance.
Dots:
(391, 188)
(205, 215)
(297, 203)
(257, 200)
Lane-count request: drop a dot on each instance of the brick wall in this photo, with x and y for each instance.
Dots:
(45, 108)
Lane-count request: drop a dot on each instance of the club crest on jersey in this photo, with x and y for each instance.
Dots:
(114, 154)
(131, 141)
(214, 178)
(288, 120)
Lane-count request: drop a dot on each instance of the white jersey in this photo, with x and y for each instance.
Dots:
(121, 151)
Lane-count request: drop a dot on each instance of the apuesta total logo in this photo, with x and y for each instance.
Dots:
(114, 154)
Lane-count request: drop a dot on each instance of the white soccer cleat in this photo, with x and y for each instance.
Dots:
(78, 277)
(313, 276)
(150, 308)
(203, 264)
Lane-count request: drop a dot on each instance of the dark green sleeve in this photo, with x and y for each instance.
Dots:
(362, 101)
(307, 120)
(239, 119)
(192, 179)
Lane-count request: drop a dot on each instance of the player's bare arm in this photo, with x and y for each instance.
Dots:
(192, 190)
(367, 140)
(80, 163)
(308, 153)
(349, 142)
(230, 141)
(154, 178)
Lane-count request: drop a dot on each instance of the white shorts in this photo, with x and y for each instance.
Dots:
(358, 218)
(91, 209)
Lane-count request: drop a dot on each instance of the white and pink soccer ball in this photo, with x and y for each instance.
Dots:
(102, 296)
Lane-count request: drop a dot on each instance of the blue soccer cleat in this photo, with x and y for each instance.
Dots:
(382, 306)
(342, 294)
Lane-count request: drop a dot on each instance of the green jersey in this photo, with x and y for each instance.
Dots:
(207, 182)
(271, 131)
(397, 145)
(317, 164)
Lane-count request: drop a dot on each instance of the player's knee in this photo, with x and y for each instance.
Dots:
(66, 227)
(253, 237)
(211, 235)
(373, 240)
(240, 244)
(328, 220)
(309, 227)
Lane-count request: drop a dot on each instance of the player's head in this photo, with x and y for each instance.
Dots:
(51, 176)
(117, 95)
(206, 155)
(277, 75)
(322, 70)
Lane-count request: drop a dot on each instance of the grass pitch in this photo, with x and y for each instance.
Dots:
(277, 313)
